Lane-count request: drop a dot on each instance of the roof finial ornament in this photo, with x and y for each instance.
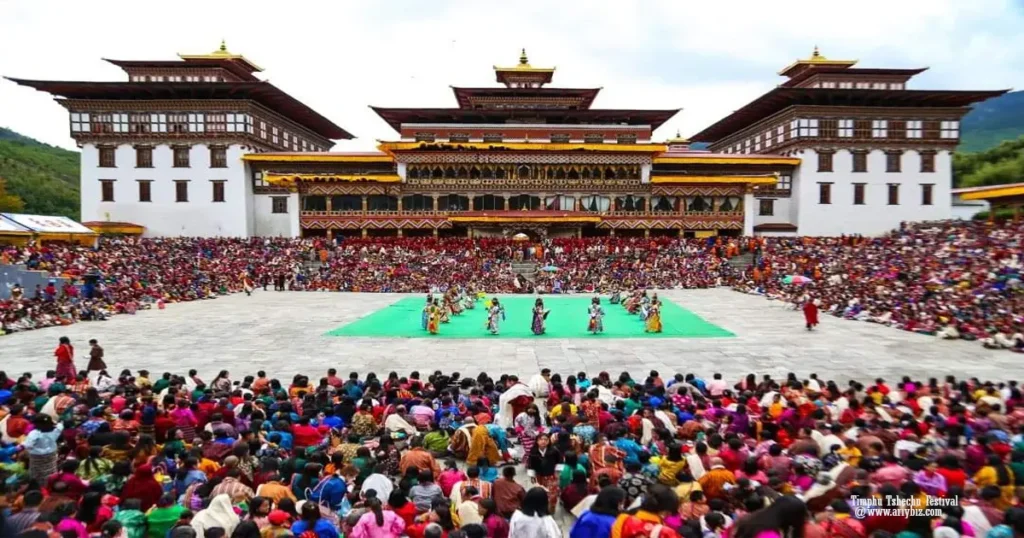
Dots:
(223, 45)
(522, 58)
(816, 54)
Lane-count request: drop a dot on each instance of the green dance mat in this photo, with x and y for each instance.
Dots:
(568, 319)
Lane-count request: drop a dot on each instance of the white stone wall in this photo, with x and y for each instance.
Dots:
(876, 216)
(163, 216)
(269, 224)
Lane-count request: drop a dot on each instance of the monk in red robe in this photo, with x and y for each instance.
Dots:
(810, 314)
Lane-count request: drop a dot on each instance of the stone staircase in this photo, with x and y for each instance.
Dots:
(742, 261)
(28, 279)
(526, 270)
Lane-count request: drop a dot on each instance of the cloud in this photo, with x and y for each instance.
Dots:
(708, 58)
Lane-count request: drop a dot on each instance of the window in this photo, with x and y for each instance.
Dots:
(807, 127)
(197, 123)
(860, 161)
(218, 157)
(626, 139)
(879, 128)
(845, 128)
(139, 123)
(779, 134)
(181, 190)
(757, 143)
(181, 156)
(785, 182)
(218, 190)
(766, 208)
(824, 193)
(845, 85)
(892, 161)
(279, 204)
(858, 194)
(894, 194)
(145, 190)
(824, 161)
(80, 122)
(107, 159)
(557, 138)
(949, 129)
(493, 137)
(458, 137)
(768, 139)
(863, 85)
(177, 123)
(263, 130)
(239, 123)
(878, 86)
(895, 85)
(424, 137)
(106, 190)
(926, 193)
(595, 138)
(143, 157)
(927, 161)
(216, 123)
(315, 203)
(119, 122)
(257, 179)
(914, 128)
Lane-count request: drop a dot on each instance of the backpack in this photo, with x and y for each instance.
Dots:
(326, 511)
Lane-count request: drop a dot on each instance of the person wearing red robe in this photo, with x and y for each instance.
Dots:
(810, 314)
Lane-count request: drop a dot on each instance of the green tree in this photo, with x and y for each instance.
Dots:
(9, 203)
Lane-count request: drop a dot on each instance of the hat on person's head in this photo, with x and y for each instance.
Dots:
(278, 517)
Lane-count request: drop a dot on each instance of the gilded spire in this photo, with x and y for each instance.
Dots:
(523, 60)
(816, 54)
(223, 45)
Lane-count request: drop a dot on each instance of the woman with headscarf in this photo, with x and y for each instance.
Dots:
(143, 486)
(218, 514)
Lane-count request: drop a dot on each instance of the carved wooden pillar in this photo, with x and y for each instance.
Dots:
(330, 203)
(399, 203)
(362, 232)
(435, 232)
(364, 209)
(399, 231)
(434, 207)
(647, 232)
(505, 197)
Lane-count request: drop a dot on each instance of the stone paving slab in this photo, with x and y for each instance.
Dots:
(283, 333)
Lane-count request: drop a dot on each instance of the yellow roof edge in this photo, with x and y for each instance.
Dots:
(996, 191)
(754, 180)
(292, 178)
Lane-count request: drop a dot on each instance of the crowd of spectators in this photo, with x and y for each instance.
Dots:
(953, 279)
(441, 456)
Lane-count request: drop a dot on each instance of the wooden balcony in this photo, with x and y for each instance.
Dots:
(525, 215)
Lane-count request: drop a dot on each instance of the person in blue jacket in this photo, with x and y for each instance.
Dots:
(310, 520)
(599, 519)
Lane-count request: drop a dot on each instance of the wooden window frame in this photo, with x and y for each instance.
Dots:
(143, 156)
(860, 162)
(107, 190)
(927, 162)
(145, 187)
(928, 194)
(104, 153)
(274, 201)
(859, 193)
(178, 198)
(893, 162)
(825, 193)
(768, 203)
(893, 194)
(825, 161)
(218, 156)
(181, 150)
(219, 187)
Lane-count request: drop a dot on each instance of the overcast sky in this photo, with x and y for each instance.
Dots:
(707, 58)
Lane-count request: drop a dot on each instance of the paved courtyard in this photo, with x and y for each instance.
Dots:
(284, 333)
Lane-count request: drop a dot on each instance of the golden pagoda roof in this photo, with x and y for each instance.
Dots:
(817, 59)
(222, 53)
(524, 66)
(677, 139)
